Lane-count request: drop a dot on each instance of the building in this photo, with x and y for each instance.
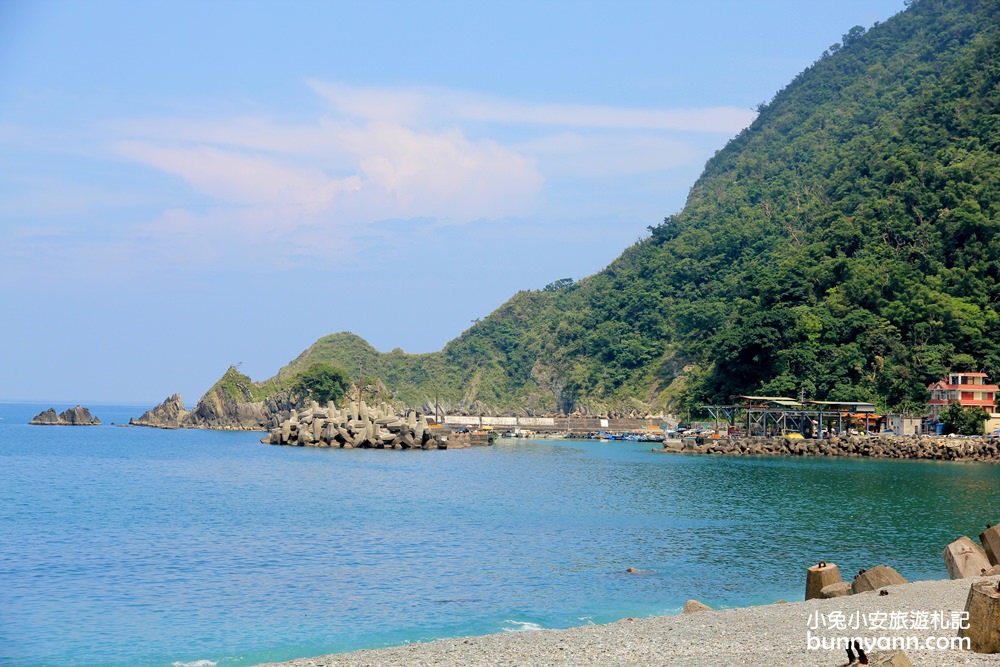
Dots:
(903, 425)
(969, 390)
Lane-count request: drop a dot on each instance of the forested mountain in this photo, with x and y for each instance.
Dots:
(844, 246)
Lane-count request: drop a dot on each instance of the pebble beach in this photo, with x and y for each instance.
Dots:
(774, 634)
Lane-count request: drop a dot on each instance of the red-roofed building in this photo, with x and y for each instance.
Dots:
(967, 389)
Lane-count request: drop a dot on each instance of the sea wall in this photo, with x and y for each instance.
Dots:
(886, 447)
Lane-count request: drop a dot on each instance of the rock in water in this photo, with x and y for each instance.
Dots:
(78, 416)
(46, 418)
(169, 414)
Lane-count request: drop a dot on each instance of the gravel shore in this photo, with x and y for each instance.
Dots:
(773, 634)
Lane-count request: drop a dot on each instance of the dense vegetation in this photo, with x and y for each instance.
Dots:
(321, 383)
(845, 246)
(963, 421)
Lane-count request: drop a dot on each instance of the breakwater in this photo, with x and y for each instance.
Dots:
(361, 426)
(884, 447)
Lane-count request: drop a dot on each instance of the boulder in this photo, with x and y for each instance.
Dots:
(875, 578)
(964, 558)
(693, 607)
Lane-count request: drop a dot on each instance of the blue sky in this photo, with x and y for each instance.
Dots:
(189, 185)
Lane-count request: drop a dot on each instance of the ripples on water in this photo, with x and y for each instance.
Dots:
(126, 546)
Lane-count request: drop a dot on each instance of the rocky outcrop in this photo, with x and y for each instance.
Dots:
(359, 425)
(169, 414)
(220, 409)
(78, 416)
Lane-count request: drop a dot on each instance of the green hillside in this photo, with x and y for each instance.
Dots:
(845, 246)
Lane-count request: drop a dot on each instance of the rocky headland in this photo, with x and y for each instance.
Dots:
(220, 410)
(78, 416)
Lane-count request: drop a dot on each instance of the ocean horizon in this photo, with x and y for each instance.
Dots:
(148, 547)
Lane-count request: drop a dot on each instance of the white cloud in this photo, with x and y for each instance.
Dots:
(375, 104)
(278, 192)
(728, 120)
(443, 174)
(241, 178)
(574, 155)
(431, 105)
(345, 172)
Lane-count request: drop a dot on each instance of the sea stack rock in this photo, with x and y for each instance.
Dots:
(78, 416)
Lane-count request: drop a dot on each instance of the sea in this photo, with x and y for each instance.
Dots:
(126, 546)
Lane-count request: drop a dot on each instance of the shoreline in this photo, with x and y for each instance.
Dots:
(773, 634)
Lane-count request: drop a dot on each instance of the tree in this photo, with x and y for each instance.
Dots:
(963, 421)
(562, 283)
(853, 35)
(321, 383)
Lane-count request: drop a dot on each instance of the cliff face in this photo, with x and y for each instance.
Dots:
(233, 403)
(220, 410)
(78, 416)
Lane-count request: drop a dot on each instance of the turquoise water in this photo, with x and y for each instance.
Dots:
(129, 546)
